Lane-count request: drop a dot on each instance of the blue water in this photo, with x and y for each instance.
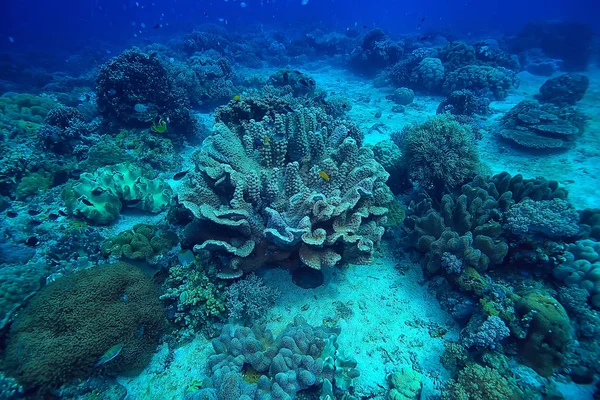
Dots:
(307, 199)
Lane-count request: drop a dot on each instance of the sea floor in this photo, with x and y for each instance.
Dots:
(387, 315)
(388, 319)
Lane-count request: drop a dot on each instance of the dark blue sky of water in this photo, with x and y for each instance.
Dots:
(62, 26)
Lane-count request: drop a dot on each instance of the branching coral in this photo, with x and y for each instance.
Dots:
(293, 188)
(249, 299)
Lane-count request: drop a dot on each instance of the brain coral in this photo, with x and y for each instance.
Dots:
(295, 187)
(582, 268)
(498, 81)
(73, 321)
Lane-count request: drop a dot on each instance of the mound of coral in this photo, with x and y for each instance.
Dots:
(294, 188)
(251, 363)
(65, 329)
(99, 197)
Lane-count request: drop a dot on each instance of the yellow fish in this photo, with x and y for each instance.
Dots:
(161, 127)
(266, 140)
(324, 175)
(237, 97)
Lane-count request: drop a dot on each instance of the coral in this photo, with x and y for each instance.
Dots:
(300, 83)
(388, 154)
(456, 55)
(251, 362)
(477, 382)
(376, 51)
(589, 222)
(564, 90)
(467, 224)
(105, 152)
(554, 219)
(488, 52)
(337, 106)
(428, 74)
(464, 103)
(581, 268)
(488, 334)
(439, 154)
(549, 331)
(64, 128)
(535, 126)
(99, 197)
(405, 384)
(9, 388)
(207, 80)
(34, 183)
(25, 107)
(403, 96)
(135, 88)
(142, 242)
(197, 301)
(18, 282)
(249, 299)
(294, 188)
(73, 321)
(483, 78)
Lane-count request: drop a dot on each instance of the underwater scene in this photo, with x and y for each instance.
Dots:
(307, 199)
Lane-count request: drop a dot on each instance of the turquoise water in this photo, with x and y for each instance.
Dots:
(307, 200)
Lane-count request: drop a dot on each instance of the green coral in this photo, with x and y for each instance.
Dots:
(396, 214)
(405, 384)
(25, 107)
(439, 154)
(34, 183)
(549, 331)
(140, 243)
(199, 300)
(476, 382)
(71, 322)
(99, 197)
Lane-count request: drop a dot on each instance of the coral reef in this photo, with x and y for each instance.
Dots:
(554, 219)
(134, 89)
(73, 321)
(468, 224)
(249, 299)
(482, 78)
(375, 52)
(581, 268)
(564, 90)
(251, 363)
(477, 382)
(405, 384)
(534, 126)
(142, 242)
(438, 154)
(464, 103)
(296, 188)
(402, 96)
(99, 197)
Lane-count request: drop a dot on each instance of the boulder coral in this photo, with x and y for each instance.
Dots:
(296, 188)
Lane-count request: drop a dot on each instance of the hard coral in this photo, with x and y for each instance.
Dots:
(73, 321)
(141, 243)
(294, 187)
(134, 78)
(497, 81)
(439, 154)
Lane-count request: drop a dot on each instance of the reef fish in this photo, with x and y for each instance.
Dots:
(324, 175)
(141, 108)
(109, 355)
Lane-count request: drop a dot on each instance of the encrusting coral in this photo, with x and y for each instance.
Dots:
(292, 187)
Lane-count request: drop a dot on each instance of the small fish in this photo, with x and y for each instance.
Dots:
(33, 212)
(178, 176)
(35, 222)
(11, 39)
(76, 173)
(266, 140)
(111, 92)
(132, 203)
(324, 175)
(243, 5)
(86, 201)
(62, 213)
(206, 14)
(157, 26)
(109, 355)
(32, 241)
(11, 214)
(143, 25)
(237, 97)
(304, 2)
(52, 217)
